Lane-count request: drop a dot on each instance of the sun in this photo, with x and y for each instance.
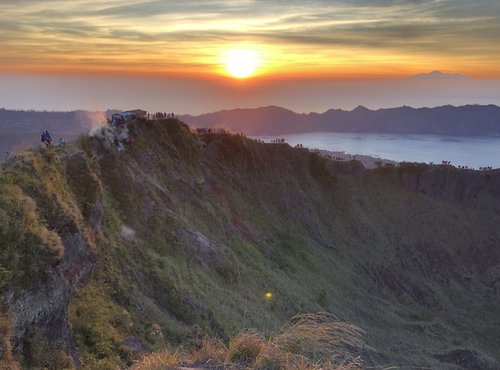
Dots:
(241, 63)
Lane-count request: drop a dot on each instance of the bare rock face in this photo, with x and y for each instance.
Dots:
(204, 251)
(78, 260)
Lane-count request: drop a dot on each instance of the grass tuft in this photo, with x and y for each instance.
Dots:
(164, 360)
(245, 347)
(321, 335)
(212, 350)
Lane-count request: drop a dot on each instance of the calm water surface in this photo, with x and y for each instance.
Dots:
(465, 151)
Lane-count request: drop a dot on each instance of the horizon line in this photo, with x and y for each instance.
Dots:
(360, 106)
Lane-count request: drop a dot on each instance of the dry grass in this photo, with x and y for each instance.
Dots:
(164, 360)
(90, 236)
(7, 361)
(210, 349)
(321, 336)
(245, 347)
(28, 222)
(314, 341)
(308, 342)
(273, 357)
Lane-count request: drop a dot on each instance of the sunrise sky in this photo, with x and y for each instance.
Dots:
(279, 45)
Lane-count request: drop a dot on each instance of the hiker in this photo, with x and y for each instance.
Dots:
(61, 142)
(45, 140)
(47, 137)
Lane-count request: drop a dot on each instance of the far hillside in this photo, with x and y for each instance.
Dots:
(467, 120)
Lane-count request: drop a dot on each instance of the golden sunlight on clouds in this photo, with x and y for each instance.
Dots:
(333, 38)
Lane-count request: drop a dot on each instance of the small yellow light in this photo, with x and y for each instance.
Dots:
(268, 295)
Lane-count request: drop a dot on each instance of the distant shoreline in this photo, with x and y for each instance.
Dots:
(374, 149)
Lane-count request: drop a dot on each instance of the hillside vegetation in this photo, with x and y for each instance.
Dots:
(108, 255)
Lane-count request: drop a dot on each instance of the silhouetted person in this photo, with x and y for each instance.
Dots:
(46, 139)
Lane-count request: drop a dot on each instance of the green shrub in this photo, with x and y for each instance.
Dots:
(98, 323)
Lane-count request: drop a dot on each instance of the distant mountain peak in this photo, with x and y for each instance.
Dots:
(438, 75)
(274, 108)
(361, 108)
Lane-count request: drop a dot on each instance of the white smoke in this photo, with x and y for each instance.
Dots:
(96, 121)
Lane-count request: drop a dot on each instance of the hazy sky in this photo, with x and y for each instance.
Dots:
(106, 53)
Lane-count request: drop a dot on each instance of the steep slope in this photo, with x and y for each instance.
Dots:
(179, 236)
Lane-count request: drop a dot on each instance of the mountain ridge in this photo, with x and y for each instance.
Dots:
(467, 120)
(438, 75)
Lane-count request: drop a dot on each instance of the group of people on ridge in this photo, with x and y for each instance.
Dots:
(46, 139)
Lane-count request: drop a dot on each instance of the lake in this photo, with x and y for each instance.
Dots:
(464, 151)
